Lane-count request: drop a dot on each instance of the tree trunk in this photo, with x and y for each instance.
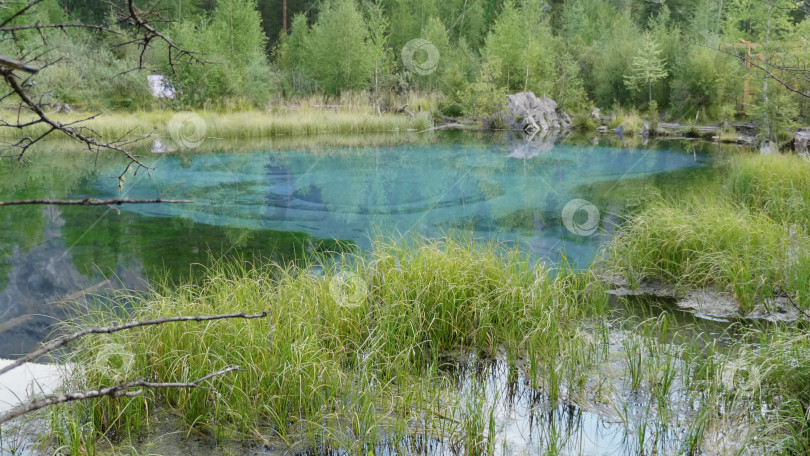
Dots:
(284, 16)
(766, 117)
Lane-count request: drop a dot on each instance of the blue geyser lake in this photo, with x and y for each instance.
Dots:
(514, 191)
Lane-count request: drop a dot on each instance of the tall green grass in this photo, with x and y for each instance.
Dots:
(347, 356)
(237, 125)
(355, 357)
(751, 241)
(777, 185)
(703, 243)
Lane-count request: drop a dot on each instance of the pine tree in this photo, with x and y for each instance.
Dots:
(648, 66)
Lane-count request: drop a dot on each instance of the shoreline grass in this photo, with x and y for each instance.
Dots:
(750, 240)
(238, 125)
(356, 356)
(366, 335)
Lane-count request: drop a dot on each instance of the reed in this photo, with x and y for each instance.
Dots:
(715, 242)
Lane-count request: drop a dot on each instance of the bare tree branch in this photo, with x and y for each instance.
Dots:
(72, 132)
(62, 341)
(136, 23)
(18, 28)
(12, 64)
(19, 13)
(122, 390)
(145, 34)
(92, 202)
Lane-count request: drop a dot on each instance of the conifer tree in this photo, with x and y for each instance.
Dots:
(648, 66)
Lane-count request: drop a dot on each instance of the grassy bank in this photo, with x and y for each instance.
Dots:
(751, 239)
(345, 357)
(236, 125)
(777, 186)
(374, 352)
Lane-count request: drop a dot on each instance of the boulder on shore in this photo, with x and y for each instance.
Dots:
(529, 113)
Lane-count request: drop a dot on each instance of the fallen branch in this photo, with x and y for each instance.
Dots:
(62, 341)
(122, 390)
(93, 202)
(795, 304)
(13, 64)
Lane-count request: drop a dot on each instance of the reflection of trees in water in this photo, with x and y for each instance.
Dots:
(517, 188)
(42, 279)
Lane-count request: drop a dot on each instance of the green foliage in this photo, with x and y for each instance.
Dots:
(569, 89)
(776, 109)
(521, 40)
(648, 66)
(290, 57)
(436, 33)
(706, 82)
(339, 53)
(580, 52)
(757, 20)
(484, 98)
(91, 78)
(234, 42)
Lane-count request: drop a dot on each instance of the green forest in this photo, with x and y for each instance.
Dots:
(677, 58)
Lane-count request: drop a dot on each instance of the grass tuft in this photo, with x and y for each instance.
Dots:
(344, 355)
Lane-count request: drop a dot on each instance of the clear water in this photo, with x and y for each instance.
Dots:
(282, 202)
(487, 190)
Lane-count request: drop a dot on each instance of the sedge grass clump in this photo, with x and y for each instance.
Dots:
(777, 185)
(703, 243)
(342, 356)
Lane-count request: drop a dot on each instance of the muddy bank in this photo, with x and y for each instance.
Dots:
(711, 303)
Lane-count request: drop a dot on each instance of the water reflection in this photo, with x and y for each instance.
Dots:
(512, 191)
(42, 277)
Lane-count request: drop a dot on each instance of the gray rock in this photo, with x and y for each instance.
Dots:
(602, 129)
(801, 142)
(645, 130)
(530, 125)
(595, 115)
(529, 113)
(60, 108)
